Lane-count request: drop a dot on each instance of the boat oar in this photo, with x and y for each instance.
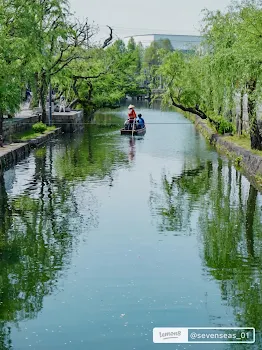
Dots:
(133, 127)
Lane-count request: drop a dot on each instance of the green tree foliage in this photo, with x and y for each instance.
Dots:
(131, 45)
(105, 78)
(58, 39)
(152, 53)
(14, 53)
(211, 81)
(234, 48)
(42, 43)
(38, 40)
(153, 58)
(183, 75)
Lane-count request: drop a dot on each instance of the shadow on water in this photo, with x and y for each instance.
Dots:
(228, 226)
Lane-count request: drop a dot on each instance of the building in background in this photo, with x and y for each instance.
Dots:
(183, 43)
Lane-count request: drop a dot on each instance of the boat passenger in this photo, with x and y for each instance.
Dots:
(140, 122)
(131, 115)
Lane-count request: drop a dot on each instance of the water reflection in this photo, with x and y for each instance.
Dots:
(125, 268)
(131, 148)
(174, 202)
(229, 227)
(39, 228)
(109, 119)
(36, 241)
(96, 156)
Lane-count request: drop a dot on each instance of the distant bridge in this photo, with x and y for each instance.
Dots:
(149, 93)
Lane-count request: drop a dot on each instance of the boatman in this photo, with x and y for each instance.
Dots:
(131, 115)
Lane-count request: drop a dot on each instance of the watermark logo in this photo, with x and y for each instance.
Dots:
(204, 335)
(170, 335)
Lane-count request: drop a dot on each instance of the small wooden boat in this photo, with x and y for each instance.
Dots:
(136, 132)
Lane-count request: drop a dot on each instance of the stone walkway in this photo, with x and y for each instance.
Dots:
(10, 148)
(12, 153)
(25, 112)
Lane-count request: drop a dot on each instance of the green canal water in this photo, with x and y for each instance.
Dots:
(103, 238)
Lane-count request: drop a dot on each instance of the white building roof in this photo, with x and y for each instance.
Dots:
(178, 42)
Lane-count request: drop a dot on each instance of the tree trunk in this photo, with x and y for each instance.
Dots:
(194, 110)
(42, 96)
(36, 90)
(74, 103)
(240, 127)
(255, 137)
(1, 128)
(256, 140)
(43, 104)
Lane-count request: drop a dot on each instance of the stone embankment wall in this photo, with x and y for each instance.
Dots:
(17, 125)
(13, 153)
(69, 121)
(248, 162)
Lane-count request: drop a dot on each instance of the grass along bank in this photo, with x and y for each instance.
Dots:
(15, 151)
(244, 142)
(36, 131)
(241, 141)
(236, 148)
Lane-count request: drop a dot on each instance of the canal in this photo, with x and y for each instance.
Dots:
(103, 238)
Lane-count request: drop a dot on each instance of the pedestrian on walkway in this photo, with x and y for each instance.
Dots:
(28, 95)
(62, 104)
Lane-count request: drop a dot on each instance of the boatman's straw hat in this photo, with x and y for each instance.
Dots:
(131, 106)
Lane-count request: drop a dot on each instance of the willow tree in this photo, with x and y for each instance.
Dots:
(250, 47)
(14, 55)
(104, 78)
(227, 66)
(58, 39)
(222, 72)
(233, 42)
(136, 52)
(153, 58)
(183, 76)
(204, 82)
(38, 40)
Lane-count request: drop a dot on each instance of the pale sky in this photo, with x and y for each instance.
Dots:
(145, 16)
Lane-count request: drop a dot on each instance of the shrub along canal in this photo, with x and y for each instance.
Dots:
(103, 238)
